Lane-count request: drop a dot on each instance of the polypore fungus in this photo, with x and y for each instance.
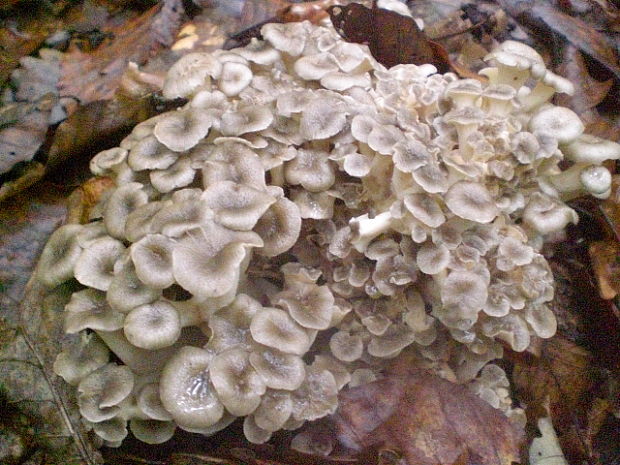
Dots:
(306, 193)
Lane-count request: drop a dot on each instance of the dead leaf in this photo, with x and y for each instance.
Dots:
(102, 122)
(588, 91)
(84, 198)
(96, 76)
(428, 420)
(31, 173)
(23, 127)
(605, 256)
(32, 335)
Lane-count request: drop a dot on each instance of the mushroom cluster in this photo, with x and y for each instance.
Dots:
(305, 190)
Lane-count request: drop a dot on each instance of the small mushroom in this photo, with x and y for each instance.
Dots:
(312, 169)
(278, 227)
(124, 200)
(279, 370)
(152, 258)
(152, 431)
(186, 391)
(89, 309)
(590, 149)
(346, 347)
(149, 403)
(59, 256)
(234, 78)
(86, 354)
(183, 129)
(246, 119)
(153, 326)
(424, 208)
(322, 118)
(317, 397)
(190, 74)
(107, 161)
(180, 174)
(275, 328)
(101, 392)
(150, 154)
(560, 122)
(237, 383)
(274, 410)
(310, 305)
(95, 265)
(471, 201)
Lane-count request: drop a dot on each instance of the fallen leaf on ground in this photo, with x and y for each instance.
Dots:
(30, 174)
(23, 127)
(605, 256)
(96, 76)
(428, 420)
(84, 198)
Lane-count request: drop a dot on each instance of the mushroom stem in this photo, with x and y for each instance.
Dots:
(582, 179)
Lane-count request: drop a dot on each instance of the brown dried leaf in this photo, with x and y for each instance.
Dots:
(96, 76)
(605, 256)
(428, 420)
(588, 91)
(84, 198)
(32, 173)
(23, 127)
(562, 375)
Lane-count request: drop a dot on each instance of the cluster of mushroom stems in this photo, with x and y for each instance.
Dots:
(302, 220)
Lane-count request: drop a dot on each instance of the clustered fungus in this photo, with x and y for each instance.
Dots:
(305, 189)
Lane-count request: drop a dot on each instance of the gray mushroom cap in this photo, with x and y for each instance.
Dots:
(186, 390)
(89, 309)
(238, 385)
(275, 328)
(59, 256)
(81, 358)
(153, 326)
(126, 291)
(95, 265)
(190, 74)
(152, 431)
(278, 369)
(124, 200)
(152, 258)
(471, 201)
(102, 390)
(183, 129)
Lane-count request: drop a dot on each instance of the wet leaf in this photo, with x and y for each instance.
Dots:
(30, 174)
(392, 38)
(562, 375)
(22, 130)
(605, 257)
(426, 419)
(96, 75)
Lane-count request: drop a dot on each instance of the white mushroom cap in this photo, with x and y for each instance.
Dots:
(560, 122)
(138, 223)
(150, 154)
(186, 390)
(541, 319)
(511, 329)
(317, 397)
(206, 261)
(152, 431)
(124, 200)
(329, 363)
(102, 390)
(596, 179)
(278, 369)
(591, 149)
(279, 227)
(236, 206)
(424, 208)
(471, 201)
(238, 385)
(190, 74)
(183, 129)
(259, 51)
(254, 433)
(546, 215)
(152, 258)
(89, 309)
(180, 174)
(126, 291)
(322, 118)
(95, 265)
(275, 328)
(310, 305)
(346, 347)
(108, 160)
(247, 119)
(392, 342)
(314, 67)
(234, 78)
(84, 356)
(59, 256)
(230, 325)
(288, 38)
(312, 169)
(274, 410)
(153, 326)
(466, 292)
(149, 403)
(432, 258)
